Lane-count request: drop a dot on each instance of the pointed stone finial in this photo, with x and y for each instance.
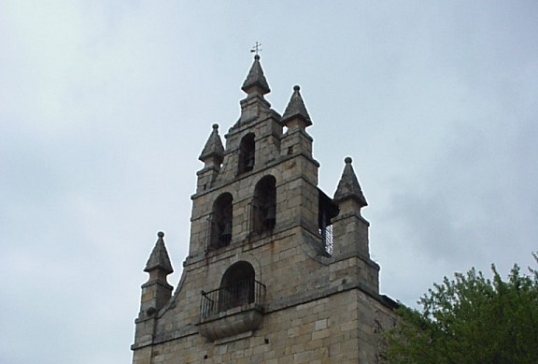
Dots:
(255, 80)
(296, 108)
(213, 147)
(349, 187)
(159, 257)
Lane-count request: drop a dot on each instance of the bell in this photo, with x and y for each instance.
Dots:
(226, 235)
(249, 163)
(270, 217)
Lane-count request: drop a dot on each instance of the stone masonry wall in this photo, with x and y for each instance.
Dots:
(340, 328)
(317, 308)
(315, 311)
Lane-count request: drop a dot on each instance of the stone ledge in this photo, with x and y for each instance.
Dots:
(229, 339)
(232, 322)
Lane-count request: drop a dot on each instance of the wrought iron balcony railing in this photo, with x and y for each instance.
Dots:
(237, 294)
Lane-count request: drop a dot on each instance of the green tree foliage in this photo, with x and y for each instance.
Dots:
(473, 320)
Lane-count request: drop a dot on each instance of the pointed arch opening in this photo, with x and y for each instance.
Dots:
(237, 286)
(221, 222)
(263, 205)
(247, 154)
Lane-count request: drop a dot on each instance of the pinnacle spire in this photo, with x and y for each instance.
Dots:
(349, 186)
(296, 108)
(159, 257)
(255, 79)
(213, 147)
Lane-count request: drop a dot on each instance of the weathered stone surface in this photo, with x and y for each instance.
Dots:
(256, 78)
(348, 187)
(232, 322)
(317, 307)
(296, 109)
(213, 150)
(159, 259)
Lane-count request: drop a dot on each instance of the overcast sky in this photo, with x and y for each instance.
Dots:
(106, 105)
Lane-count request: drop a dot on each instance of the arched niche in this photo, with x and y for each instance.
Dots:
(247, 154)
(264, 205)
(237, 286)
(221, 222)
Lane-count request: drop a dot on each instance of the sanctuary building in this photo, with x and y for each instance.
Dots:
(277, 271)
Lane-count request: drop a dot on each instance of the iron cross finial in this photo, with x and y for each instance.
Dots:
(256, 49)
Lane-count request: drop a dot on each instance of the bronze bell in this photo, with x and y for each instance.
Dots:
(270, 217)
(227, 231)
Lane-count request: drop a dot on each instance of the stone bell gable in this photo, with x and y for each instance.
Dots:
(277, 271)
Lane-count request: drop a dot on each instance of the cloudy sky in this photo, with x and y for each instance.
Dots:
(106, 105)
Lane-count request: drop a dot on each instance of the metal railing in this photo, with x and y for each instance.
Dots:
(233, 295)
(327, 238)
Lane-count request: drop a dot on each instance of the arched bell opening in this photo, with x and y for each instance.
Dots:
(264, 205)
(221, 222)
(247, 154)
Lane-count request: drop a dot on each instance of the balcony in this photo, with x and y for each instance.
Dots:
(232, 310)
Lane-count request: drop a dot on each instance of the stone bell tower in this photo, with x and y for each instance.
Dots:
(277, 271)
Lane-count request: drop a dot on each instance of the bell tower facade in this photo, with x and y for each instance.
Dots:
(277, 271)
